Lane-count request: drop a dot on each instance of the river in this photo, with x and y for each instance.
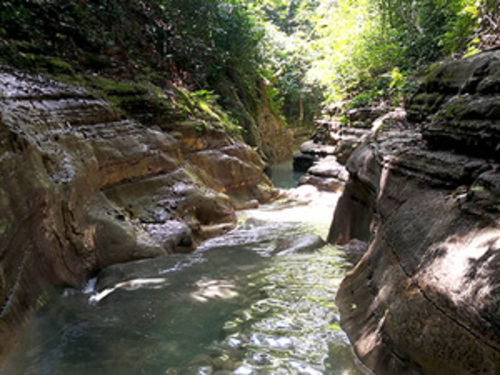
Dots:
(243, 304)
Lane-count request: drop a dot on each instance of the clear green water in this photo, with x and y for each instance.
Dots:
(283, 175)
(234, 307)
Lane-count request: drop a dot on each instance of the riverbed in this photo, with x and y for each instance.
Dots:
(255, 301)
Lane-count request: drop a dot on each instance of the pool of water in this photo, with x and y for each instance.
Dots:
(240, 305)
(283, 175)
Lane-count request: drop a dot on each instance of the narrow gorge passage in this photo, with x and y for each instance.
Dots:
(257, 300)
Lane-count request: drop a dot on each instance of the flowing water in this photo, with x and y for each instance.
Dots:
(244, 304)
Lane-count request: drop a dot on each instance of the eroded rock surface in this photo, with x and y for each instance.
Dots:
(84, 187)
(324, 156)
(459, 104)
(326, 174)
(425, 297)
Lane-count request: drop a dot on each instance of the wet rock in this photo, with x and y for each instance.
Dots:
(302, 193)
(85, 187)
(303, 244)
(322, 183)
(329, 167)
(302, 162)
(209, 231)
(143, 269)
(318, 149)
(422, 299)
(174, 235)
(326, 174)
(245, 205)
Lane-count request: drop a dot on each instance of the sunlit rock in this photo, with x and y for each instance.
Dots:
(84, 187)
(326, 174)
(424, 297)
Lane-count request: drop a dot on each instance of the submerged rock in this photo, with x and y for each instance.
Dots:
(303, 244)
(424, 298)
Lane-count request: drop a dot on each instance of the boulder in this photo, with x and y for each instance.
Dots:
(304, 244)
(326, 174)
(302, 162)
(317, 149)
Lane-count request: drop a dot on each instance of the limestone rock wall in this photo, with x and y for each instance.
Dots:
(82, 187)
(425, 297)
(264, 129)
(459, 105)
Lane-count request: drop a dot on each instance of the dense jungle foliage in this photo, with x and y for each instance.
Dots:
(307, 52)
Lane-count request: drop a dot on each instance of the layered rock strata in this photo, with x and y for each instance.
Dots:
(326, 174)
(324, 156)
(84, 187)
(425, 297)
(264, 128)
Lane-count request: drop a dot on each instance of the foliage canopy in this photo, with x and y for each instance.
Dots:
(349, 47)
(307, 51)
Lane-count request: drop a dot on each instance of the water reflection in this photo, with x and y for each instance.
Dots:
(214, 289)
(232, 308)
(294, 326)
(283, 175)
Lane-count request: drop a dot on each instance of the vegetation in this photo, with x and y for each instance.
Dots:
(307, 52)
(366, 49)
(129, 51)
(186, 37)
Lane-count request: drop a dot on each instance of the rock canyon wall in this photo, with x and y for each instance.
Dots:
(425, 297)
(85, 186)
